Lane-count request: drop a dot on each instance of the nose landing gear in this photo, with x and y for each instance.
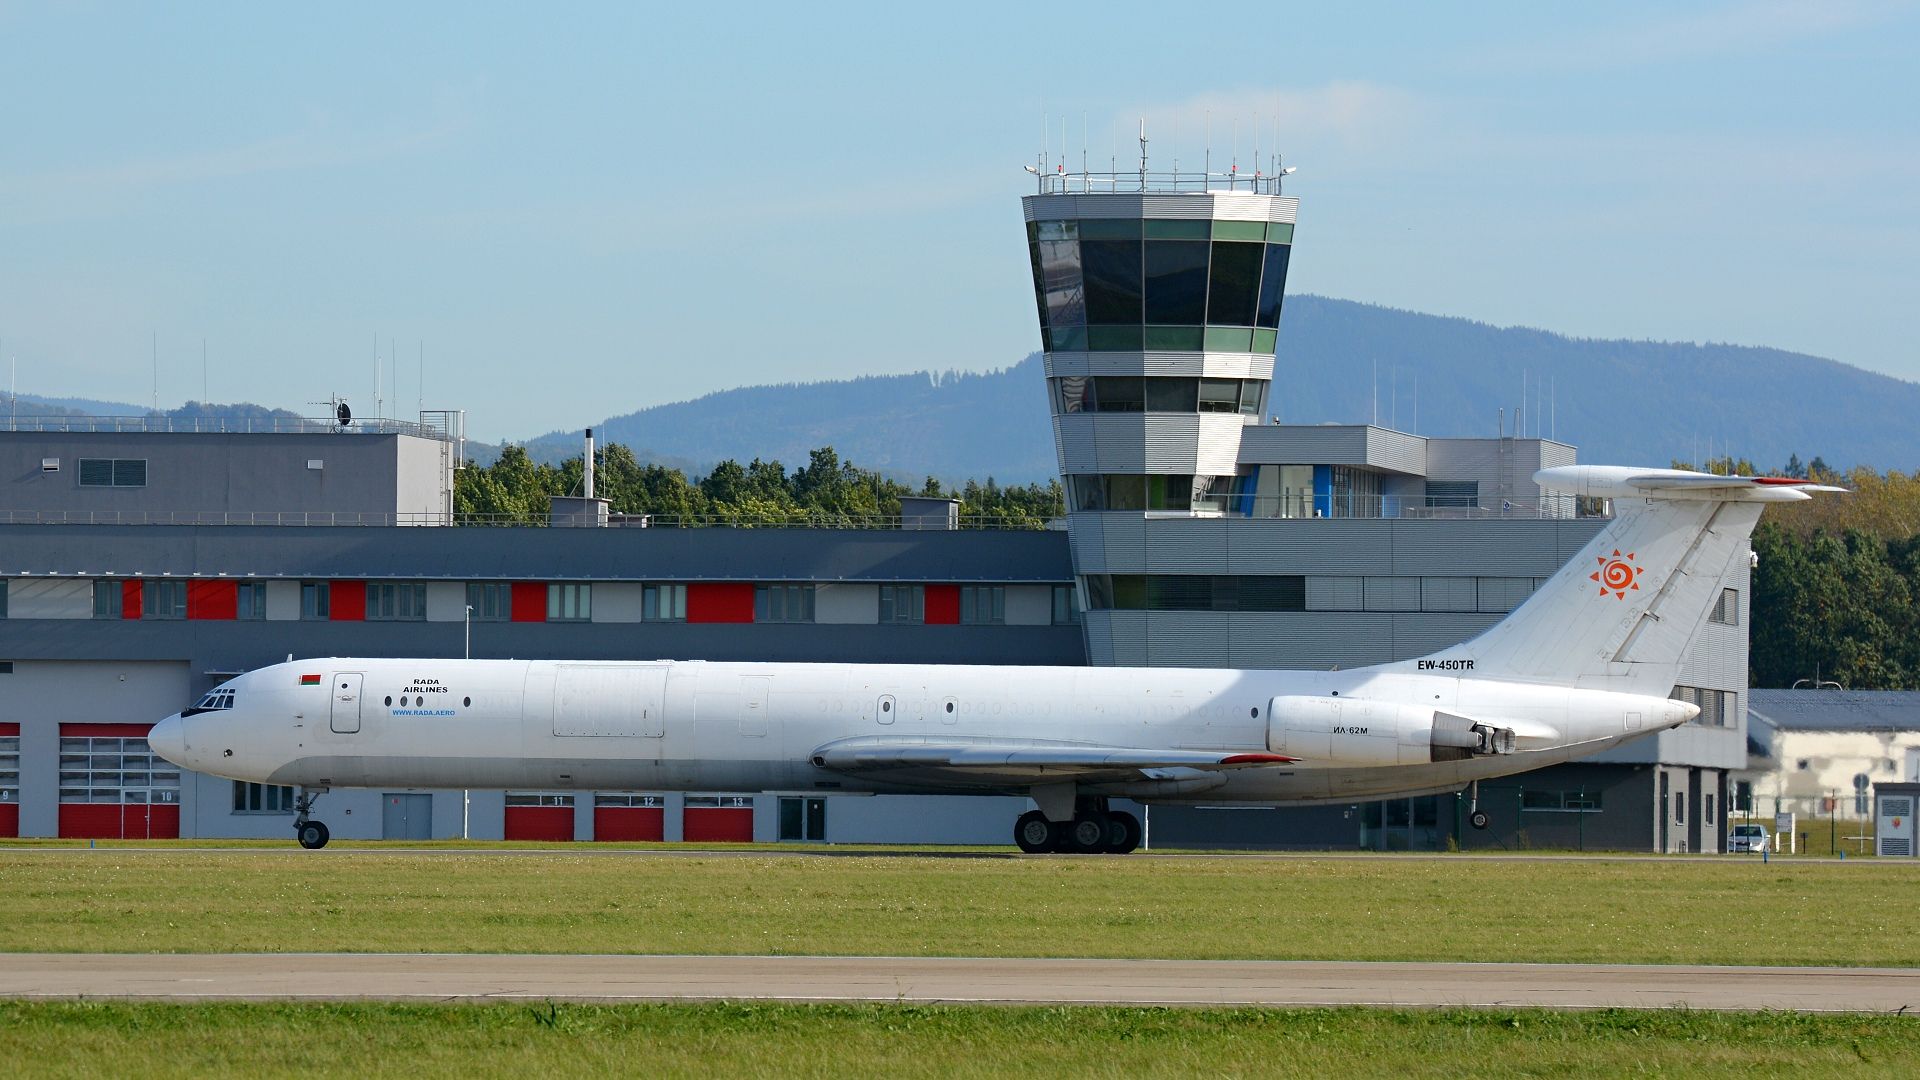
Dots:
(1093, 830)
(312, 835)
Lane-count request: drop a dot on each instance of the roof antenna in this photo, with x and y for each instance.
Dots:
(1143, 153)
(1206, 162)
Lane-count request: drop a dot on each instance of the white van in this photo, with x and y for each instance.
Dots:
(1747, 838)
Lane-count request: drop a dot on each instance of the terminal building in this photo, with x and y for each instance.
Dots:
(142, 565)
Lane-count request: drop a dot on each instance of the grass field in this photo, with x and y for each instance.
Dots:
(759, 1040)
(1739, 911)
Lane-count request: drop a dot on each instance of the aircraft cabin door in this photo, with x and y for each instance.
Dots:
(888, 706)
(753, 704)
(346, 702)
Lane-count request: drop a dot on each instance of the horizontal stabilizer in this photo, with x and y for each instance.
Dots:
(1614, 481)
(1016, 761)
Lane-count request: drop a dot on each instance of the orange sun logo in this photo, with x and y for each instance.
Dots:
(1617, 574)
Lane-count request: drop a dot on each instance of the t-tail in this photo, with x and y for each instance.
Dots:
(1622, 614)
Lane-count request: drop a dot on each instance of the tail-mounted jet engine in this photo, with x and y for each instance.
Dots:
(1355, 731)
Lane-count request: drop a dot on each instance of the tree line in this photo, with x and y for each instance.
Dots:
(824, 491)
(1834, 595)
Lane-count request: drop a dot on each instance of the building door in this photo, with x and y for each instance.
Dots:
(406, 817)
(803, 819)
(346, 702)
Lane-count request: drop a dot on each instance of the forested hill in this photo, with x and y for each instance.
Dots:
(1635, 402)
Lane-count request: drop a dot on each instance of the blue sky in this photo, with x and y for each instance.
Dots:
(586, 209)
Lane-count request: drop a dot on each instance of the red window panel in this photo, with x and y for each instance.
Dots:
(105, 731)
(347, 600)
(717, 824)
(539, 823)
(130, 598)
(629, 823)
(120, 821)
(943, 605)
(530, 602)
(720, 602)
(213, 599)
(9, 727)
(9, 819)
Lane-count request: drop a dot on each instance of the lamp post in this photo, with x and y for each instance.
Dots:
(466, 794)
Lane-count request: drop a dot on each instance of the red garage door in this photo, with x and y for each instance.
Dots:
(621, 816)
(725, 819)
(9, 779)
(113, 787)
(534, 816)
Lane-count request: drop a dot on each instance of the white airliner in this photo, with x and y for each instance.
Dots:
(1584, 664)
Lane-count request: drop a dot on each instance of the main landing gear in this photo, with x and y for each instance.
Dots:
(1476, 817)
(312, 835)
(1094, 829)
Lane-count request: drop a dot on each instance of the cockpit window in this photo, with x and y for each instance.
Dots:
(220, 697)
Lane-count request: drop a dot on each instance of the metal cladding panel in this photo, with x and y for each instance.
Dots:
(1396, 451)
(1499, 595)
(1213, 365)
(1333, 444)
(1310, 641)
(1459, 594)
(1308, 546)
(1066, 207)
(1390, 594)
(1458, 547)
(518, 554)
(1331, 592)
(1178, 207)
(1248, 206)
(1125, 638)
(1108, 543)
(1429, 632)
(1219, 450)
(1221, 205)
(1185, 546)
(1056, 364)
(1555, 454)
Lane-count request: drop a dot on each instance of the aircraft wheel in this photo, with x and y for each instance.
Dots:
(1033, 833)
(1087, 835)
(313, 835)
(1479, 819)
(1123, 832)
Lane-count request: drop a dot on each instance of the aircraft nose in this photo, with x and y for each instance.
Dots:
(168, 738)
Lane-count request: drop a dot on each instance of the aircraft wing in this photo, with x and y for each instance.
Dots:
(991, 762)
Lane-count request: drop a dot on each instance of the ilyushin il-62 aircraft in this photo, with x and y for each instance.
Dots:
(1584, 664)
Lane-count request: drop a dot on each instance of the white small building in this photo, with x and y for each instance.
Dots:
(1820, 752)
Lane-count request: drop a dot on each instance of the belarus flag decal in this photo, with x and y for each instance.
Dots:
(309, 680)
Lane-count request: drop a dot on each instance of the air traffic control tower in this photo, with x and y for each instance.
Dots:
(1159, 301)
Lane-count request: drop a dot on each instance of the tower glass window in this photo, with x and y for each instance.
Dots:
(1176, 279)
(1112, 270)
(1234, 284)
(1273, 284)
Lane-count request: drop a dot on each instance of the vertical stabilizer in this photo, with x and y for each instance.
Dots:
(1622, 613)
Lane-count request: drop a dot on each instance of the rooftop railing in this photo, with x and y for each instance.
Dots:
(435, 425)
(357, 519)
(1138, 182)
(1372, 506)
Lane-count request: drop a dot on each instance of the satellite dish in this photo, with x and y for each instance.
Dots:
(343, 414)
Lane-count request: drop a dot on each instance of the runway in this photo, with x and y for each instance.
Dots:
(443, 977)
